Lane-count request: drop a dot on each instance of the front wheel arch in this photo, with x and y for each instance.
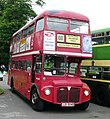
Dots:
(32, 88)
(36, 102)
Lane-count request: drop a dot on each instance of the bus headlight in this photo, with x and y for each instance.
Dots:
(86, 92)
(47, 91)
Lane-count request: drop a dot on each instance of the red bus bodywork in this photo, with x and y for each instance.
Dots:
(67, 89)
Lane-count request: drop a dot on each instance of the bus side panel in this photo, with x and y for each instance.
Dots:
(24, 83)
(15, 75)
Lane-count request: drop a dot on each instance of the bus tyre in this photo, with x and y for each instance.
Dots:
(36, 102)
(101, 96)
(12, 86)
(83, 106)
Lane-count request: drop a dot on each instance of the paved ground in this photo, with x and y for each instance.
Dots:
(12, 106)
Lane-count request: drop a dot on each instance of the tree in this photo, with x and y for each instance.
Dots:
(13, 15)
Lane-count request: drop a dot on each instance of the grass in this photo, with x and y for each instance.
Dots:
(1, 91)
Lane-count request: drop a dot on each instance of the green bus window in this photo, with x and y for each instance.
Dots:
(94, 72)
(98, 38)
(106, 73)
(107, 40)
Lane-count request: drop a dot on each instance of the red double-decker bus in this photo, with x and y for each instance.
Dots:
(45, 59)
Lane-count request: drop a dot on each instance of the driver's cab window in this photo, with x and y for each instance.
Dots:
(38, 66)
(54, 65)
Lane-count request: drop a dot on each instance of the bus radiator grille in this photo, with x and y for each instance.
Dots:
(63, 95)
(74, 95)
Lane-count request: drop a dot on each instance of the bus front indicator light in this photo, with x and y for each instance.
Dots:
(44, 78)
(86, 93)
(47, 91)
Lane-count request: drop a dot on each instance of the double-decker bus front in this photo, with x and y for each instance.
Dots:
(61, 40)
(57, 68)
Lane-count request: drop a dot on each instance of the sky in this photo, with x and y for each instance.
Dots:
(96, 10)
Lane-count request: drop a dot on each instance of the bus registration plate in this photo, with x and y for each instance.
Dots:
(67, 105)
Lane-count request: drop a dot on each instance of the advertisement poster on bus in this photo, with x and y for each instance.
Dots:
(17, 46)
(49, 40)
(22, 45)
(86, 44)
(28, 40)
(73, 39)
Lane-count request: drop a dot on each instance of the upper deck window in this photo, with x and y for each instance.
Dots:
(97, 41)
(40, 25)
(79, 27)
(18, 36)
(57, 24)
(31, 29)
(25, 32)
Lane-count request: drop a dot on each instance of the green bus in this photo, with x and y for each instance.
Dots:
(96, 71)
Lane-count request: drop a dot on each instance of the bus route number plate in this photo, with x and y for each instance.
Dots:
(67, 105)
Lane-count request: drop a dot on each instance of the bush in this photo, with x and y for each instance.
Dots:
(1, 91)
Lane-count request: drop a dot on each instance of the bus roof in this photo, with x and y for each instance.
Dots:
(56, 13)
(101, 30)
(64, 14)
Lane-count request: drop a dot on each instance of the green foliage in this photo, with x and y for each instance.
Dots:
(1, 91)
(40, 2)
(13, 15)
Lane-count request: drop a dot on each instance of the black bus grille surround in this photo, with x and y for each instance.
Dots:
(65, 95)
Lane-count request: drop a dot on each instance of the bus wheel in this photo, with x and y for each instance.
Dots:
(12, 86)
(83, 106)
(36, 102)
(101, 96)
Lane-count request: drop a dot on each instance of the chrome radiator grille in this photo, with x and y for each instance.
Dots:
(65, 95)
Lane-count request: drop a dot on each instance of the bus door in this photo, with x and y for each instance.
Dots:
(33, 68)
(37, 71)
(25, 74)
(22, 77)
